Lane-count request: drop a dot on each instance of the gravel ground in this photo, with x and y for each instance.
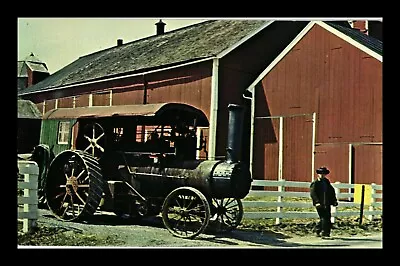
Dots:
(151, 232)
(106, 230)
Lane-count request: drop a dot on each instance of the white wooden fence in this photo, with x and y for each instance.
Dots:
(28, 203)
(343, 191)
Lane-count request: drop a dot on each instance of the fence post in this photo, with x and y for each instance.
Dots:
(29, 215)
(280, 199)
(334, 208)
(371, 207)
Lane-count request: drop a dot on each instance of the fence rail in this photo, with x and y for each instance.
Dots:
(342, 193)
(28, 202)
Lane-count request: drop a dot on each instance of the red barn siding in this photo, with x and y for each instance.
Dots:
(65, 102)
(342, 84)
(50, 104)
(297, 148)
(101, 99)
(82, 101)
(241, 67)
(190, 85)
(368, 164)
(40, 107)
(127, 97)
(266, 139)
(336, 158)
(297, 153)
(323, 73)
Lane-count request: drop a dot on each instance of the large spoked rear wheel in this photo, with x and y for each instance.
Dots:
(74, 185)
(227, 214)
(186, 212)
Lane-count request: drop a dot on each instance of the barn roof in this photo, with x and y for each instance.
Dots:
(21, 71)
(27, 109)
(34, 63)
(368, 44)
(188, 44)
(362, 38)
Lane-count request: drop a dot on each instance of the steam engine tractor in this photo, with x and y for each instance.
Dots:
(140, 161)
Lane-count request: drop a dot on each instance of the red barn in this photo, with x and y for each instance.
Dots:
(209, 65)
(320, 103)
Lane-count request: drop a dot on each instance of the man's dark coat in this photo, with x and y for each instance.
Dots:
(325, 197)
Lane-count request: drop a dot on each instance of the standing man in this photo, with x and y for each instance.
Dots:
(323, 196)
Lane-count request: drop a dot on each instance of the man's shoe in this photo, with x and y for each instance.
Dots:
(326, 236)
(318, 234)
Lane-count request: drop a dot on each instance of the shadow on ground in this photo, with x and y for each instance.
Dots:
(238, 237)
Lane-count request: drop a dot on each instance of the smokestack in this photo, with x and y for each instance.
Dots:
(160, 27)
(235, 130)
(119, 42)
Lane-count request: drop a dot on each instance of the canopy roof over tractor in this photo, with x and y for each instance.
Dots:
(164, 111)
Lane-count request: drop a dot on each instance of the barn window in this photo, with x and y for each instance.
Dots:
(63, 133)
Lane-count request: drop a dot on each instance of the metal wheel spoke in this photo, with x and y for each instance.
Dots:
(63, 200)
(80, 198)
(59, 195)
(186, 212)
(228, 213)
(229, 201)
(96, 139)
(81, 174)
(65, 211)
(69, 188)
(88, 147)
(99, 147)
(72, 206)
(177, 203)
(96, 136)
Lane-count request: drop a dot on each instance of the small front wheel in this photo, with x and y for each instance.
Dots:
(227, 214)
(186, 212)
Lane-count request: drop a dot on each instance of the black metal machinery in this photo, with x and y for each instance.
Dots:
(189, 194)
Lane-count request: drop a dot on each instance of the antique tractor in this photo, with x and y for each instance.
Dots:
(140, 161)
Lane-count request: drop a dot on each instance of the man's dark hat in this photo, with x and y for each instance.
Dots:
(323, 170)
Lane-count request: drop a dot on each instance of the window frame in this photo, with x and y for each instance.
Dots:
(63, 133)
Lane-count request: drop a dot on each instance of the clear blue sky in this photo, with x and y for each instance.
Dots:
(60, 41)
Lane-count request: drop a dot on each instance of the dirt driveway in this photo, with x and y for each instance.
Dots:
(150, 233)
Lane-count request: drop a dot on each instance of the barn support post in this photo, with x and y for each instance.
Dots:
(314, 130)
(280, 158)
(252, 119)
(350, 167)
(213, 110)
(90, 100)
(44, 107)
(253, 113)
